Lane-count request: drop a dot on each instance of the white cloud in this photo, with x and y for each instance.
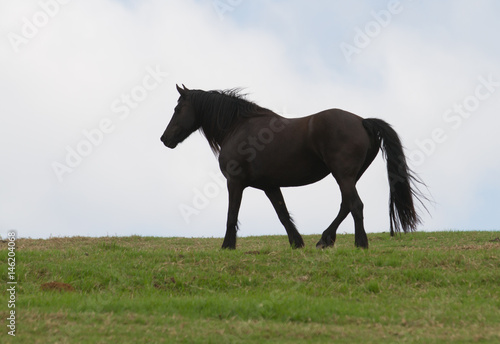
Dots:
(66, 78)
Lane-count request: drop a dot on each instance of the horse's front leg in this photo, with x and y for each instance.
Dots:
(276, 198)
(235, 193)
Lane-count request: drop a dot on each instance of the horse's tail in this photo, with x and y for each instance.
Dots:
(402, 180)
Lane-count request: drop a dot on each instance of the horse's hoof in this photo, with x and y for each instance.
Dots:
(325, 243)
(299, 244)
(363, 245)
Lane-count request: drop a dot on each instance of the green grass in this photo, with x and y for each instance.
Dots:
(417, 288)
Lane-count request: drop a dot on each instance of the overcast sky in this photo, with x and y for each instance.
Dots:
(88, 87)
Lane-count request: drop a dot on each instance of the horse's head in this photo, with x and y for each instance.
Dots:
(184, 121)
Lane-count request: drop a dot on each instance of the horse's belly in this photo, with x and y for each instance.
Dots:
(289, 174)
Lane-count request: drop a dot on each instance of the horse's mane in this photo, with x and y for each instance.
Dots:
(220, 111)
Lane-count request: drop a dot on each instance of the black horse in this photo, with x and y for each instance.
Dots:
(258, 148)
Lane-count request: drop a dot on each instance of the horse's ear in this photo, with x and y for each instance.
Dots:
(187, 89)
(182, 91)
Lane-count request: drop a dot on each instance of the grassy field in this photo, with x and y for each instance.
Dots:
(416, 288)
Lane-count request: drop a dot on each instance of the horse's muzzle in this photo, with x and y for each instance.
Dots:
(168, 142)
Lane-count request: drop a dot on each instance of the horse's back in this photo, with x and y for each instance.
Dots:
(337, 121)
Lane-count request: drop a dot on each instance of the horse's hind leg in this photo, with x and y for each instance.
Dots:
(360, 238)
(330, 234)
(276, 198)
(351, 203)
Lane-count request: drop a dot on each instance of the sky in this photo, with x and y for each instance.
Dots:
(88, 87)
